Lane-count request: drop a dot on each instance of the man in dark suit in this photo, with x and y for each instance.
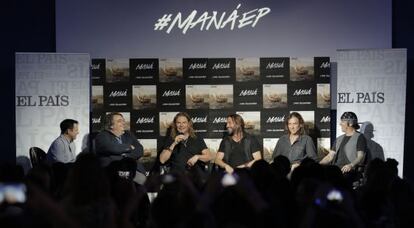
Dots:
(114, 143)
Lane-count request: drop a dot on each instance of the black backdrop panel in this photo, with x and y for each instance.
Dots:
(149, 92)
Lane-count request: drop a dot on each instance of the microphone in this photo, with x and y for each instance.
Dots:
(184, 141)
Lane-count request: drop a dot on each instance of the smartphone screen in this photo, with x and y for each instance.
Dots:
(12, 193)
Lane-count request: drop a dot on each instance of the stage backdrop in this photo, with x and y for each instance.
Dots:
(50, 87)
(149, 92)
(372, 83)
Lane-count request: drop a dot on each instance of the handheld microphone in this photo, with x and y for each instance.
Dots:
(184, 141)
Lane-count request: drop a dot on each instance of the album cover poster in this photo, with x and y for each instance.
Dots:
(213, 145)
(144, 97)
(166, 120)
(222, 70)
(323, 92)
(269, 145)
(322, 69)
(302, 95)
(275, 96)
(145, 123)
(197, 96)
(150, 152)
(247, 69)
(251, 122)
(273, 122)
(117, 97)
(217, 120)
(144, 71)
(301, 69)
(200, 121)
(171, 96)
(97, 97)
(98, 69)
(323, 122)
(275, 70)
(323, 146)
(171, 70)
(196, 71)
(221, 96)
(117, 70)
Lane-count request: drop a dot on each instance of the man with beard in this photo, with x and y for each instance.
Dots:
(239, 149)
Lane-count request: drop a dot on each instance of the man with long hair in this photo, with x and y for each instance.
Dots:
(239, 149)
(296, 144)
(183, 148)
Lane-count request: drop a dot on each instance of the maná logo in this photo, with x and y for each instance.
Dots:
(326, 119)
(145, 120)
(325, 65)
(219, 66)
(171, 93)
(145, 66)
(302, 92)
(220, 120)
(195, 66)
(275, 65)
(118, 93)
(276, 119)
(248, 92)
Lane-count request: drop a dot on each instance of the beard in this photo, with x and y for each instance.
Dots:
(230, 131)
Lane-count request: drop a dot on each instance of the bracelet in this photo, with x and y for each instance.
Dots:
(168, 149)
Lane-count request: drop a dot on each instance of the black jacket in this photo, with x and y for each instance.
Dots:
(109, 149)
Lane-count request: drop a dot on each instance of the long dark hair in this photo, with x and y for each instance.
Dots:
(238, 122)
(174, 131)
(301, 123)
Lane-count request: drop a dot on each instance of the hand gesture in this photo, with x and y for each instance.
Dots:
(192, 160)
(346, 168)
(229, 169)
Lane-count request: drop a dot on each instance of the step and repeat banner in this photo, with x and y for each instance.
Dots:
(372, 83)
(150, 91)
(50, 87)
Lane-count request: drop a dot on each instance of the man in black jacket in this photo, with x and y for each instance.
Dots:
(114, 143)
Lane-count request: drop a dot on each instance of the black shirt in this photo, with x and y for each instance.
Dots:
(237, 156)
(184, 151)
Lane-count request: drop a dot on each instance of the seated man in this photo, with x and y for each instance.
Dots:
(296, 145)
(182, 147)
(239, 149)
(114, 143)
(63, 148)
(349, 149)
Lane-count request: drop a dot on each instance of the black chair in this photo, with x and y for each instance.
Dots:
(37, 156)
